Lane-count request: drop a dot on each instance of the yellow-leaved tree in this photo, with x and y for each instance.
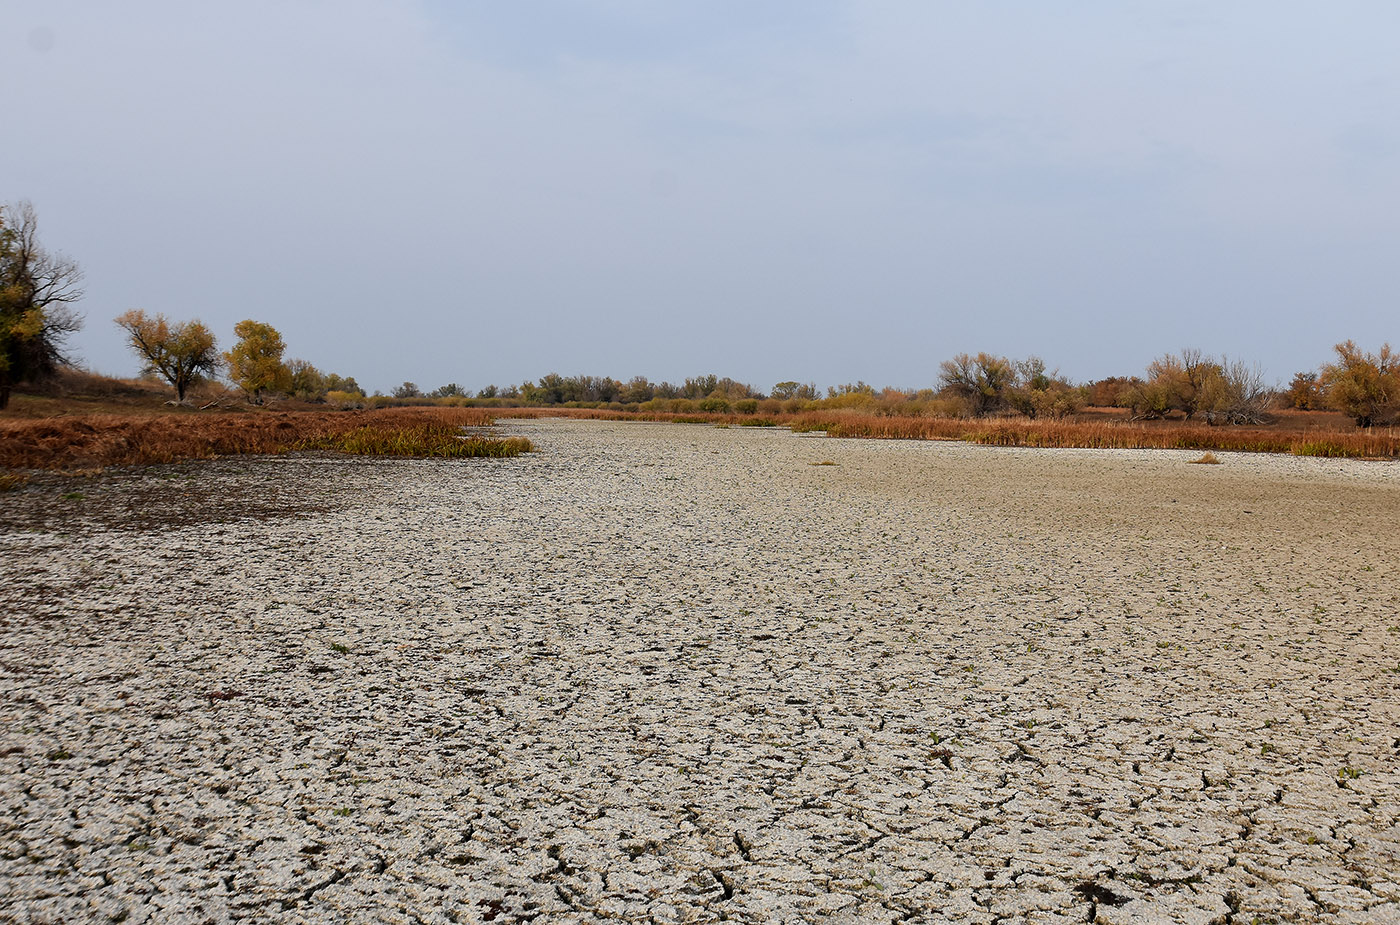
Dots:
(255, 362)
(37, 290)
(182, 353)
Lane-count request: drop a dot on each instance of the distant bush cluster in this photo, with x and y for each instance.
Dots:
(1188, 386)
(1220, 391)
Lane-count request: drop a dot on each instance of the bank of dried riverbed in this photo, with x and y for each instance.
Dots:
(675, 673)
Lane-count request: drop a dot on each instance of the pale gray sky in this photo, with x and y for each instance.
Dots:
(485, 192)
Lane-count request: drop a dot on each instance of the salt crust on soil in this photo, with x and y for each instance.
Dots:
(677, 673)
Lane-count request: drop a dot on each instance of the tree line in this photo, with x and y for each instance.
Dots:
(38, 290)
(185, 353)
(1187, 386)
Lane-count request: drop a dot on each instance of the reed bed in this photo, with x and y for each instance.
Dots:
(70, 442)
(101, 440)
(1371, 443)
(1285, 437)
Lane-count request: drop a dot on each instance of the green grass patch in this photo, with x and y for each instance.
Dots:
(437, 441)
(1327, 448)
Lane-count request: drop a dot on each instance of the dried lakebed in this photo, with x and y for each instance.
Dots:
(677, 673)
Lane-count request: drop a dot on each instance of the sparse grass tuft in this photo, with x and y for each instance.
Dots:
(1207, 459)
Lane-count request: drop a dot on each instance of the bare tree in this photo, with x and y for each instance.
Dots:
(37, 292)
(1234, 393)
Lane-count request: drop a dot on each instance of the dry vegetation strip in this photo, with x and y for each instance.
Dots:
(1284, 438)
(1375, 442)
(97, 440)
(91, 441)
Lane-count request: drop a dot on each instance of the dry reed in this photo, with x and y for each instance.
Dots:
(1372, 443)
(99, 440)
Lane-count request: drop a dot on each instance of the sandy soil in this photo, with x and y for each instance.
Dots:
(679, 673)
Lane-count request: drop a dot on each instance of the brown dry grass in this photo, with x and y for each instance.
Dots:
(74, 442)
(1297, 433)
(1110, 434)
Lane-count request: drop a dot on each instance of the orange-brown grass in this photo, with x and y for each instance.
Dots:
(98, 440)
(1373, 443)
(1301, 434)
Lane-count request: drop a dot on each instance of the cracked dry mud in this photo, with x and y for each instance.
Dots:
(676, 673)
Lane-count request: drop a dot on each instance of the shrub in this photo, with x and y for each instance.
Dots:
(1304, 392)
(1106, 393)
(307, 382)
(345, 399)
(1222, 391)
(981, 383)
(1364, 386)
(795, 405)
(1233, 393)
(746, 406)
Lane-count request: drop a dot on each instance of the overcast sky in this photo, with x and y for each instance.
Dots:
(484, 192)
